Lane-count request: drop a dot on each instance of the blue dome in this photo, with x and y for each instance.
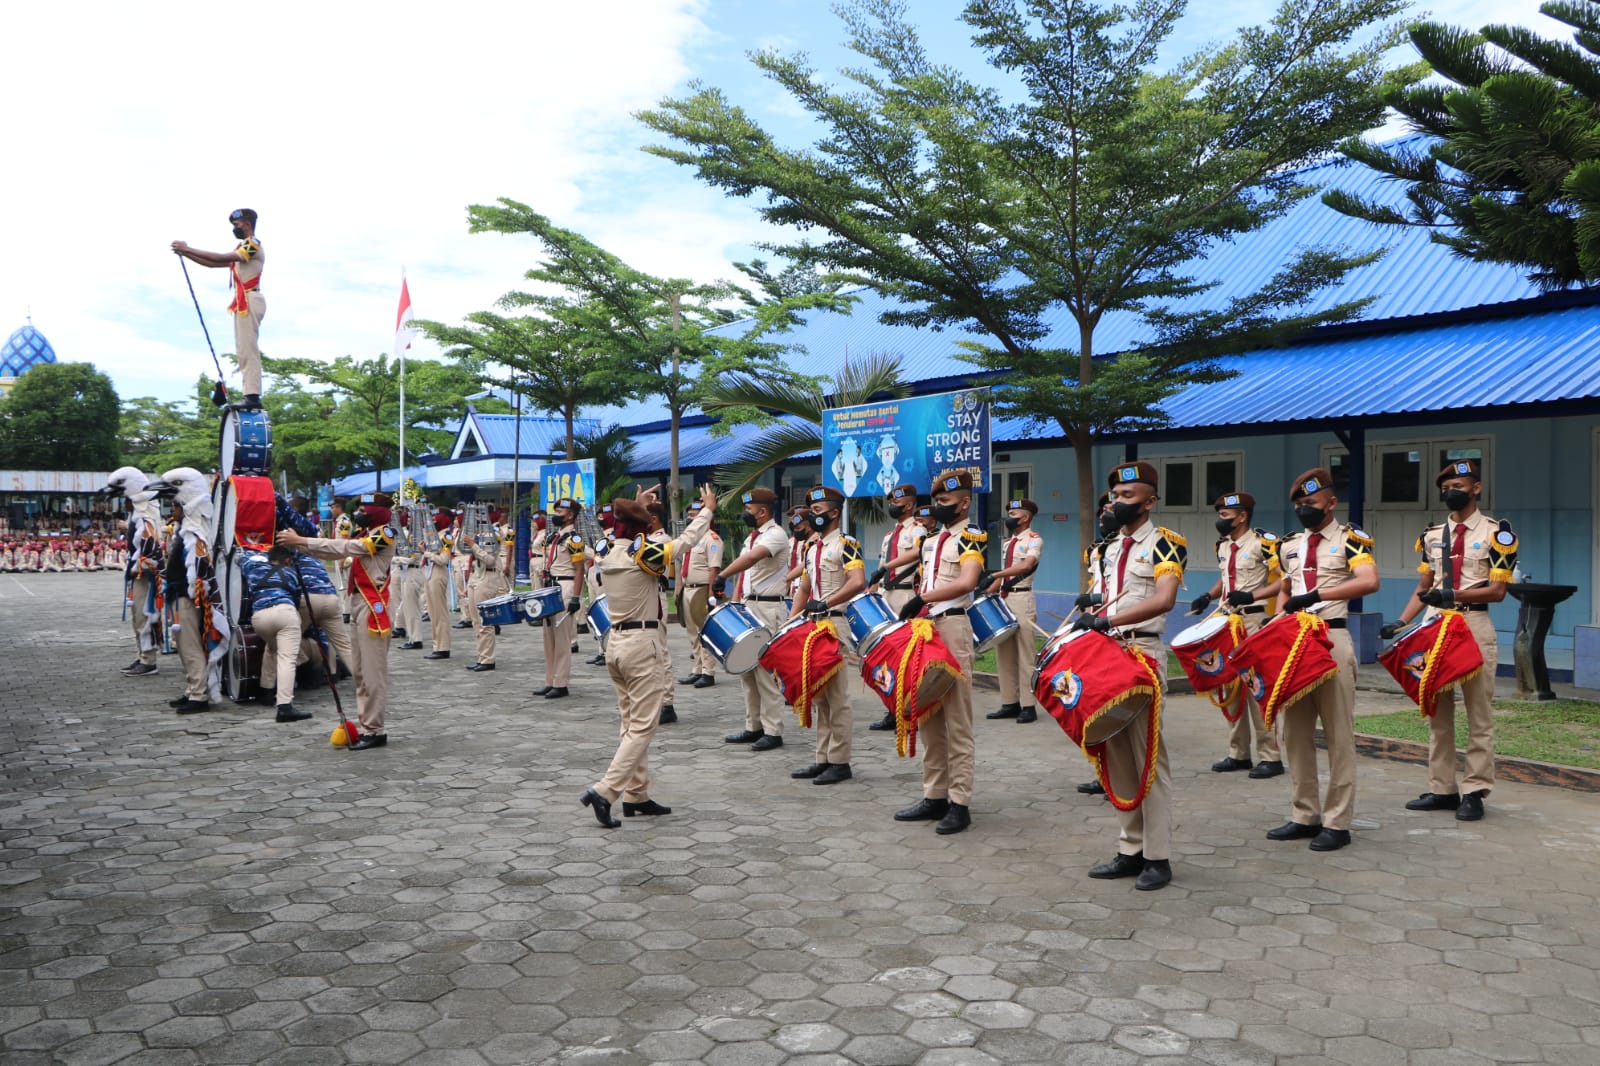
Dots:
(24, 350)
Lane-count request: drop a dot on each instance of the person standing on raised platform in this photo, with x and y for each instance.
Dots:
(249, 307)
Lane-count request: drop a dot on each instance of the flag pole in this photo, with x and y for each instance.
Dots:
(400, 474)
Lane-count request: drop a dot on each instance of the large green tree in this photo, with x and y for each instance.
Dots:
(60, 416)
(1513, 172)
(159, 435)
(1092, 185)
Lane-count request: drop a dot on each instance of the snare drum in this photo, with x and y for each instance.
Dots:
(246, 443)
(868, 617)
(500, 611)
(1091, 685)
(1433, 657)
(992, 622)
(242, 664)
(542, 603)
(733, 633)
(1284, 660)
(911, 669)
(1203, 651)
(599, 619)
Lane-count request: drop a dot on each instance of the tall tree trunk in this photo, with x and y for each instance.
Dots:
(677, 413)
(572, 448)
(1083, 447)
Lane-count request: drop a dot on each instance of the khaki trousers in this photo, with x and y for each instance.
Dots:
(246, 336)
(192, 651)
(668, 682)
(371, 669)
(1015, 654)
(558, 636)
(1477, 694)
(327, 611)
(1148, 828)
(408, 589)
(763, 703)
(438, 587)
(704, 661)
(1266, 740)
(949, 755)
(279, 629)
(484, 635)
(144, 637)
(633, 659)
(832, 718)
(1333, 704)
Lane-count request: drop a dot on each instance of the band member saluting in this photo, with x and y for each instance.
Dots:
(758, 583)
(1482, 553)
(245, 263)
(1329, 563)
(1247, 579)
(631, 572)
(832, 572)
(1014, 583)
(952, 565)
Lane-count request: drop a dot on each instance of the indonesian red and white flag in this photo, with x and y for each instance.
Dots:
(404, 331)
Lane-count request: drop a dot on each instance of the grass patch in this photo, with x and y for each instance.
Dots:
(1558, 731)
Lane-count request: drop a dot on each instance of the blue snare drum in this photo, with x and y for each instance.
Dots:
(869, 617)
(543, 603)
(500, 611)
(735, 636)
(246, 444)
(992, 622)
(599, 619)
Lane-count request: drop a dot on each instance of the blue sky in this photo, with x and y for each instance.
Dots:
(361, 132)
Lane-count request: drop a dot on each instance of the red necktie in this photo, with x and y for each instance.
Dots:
(1458, 553)
(816, 582)
(1233, 560)
(938, 553)
(1011, 553)
(1308, 575)
(738, 586)
(1122, 565)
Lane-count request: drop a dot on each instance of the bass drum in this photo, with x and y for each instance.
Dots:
(245, 444)
(241, 667)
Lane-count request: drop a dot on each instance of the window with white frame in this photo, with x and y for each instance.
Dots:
(1191, 482)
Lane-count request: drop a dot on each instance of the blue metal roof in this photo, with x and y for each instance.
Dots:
(351, 484)
(540, 436)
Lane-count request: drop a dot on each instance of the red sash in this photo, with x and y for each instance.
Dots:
(378, 623)
(240, 304)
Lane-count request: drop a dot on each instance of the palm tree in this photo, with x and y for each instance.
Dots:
(612, 451)
(803, 401)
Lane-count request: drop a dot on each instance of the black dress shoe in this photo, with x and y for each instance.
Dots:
(956, 818)
(287, 713)
(479, 668)
(691, 679)
(598, 660)
(1330, 840)
(1435, 801)
(886, 722)
(1267, 768)
(767, 743)
(555, 693)
(463, 624)
(805, 773)
(342, 673)
(1229, 765)
(924, 810)
(836, 772)
(1026, 715)
(398, 632)
(647, 807)
(705, 681)
(1471, 808)
(370, 740)
(1007, 710)
(141, 670)
(179, 700)
(193, 706)
(1091, 788)
(411, 645)
(669, 714)
(744, 736)
(601, 807)
(541, 691)
(1121, 866)
(1157, 873)
(1294, 831)
(437, 655)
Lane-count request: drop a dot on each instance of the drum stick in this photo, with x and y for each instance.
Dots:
(1037, 628)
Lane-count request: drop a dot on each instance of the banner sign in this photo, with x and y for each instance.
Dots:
(571, 480)
(869, 449)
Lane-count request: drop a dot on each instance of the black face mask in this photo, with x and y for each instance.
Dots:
(1455, 499)
(944, 513)
(1311, 517)
(820, 522)
(896, 511)
(1108, 524)
(750, 520)
(1224, 526)
(238, 232)
(1012, 523)
(1126, 514)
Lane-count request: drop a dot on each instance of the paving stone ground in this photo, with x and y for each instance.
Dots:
(222, 889)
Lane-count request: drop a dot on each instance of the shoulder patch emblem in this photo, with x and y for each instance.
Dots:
(1505, 537)
(1360, 537)
(1173, 537)
(1266, 534)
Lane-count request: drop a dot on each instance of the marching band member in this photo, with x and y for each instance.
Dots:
(1482, 556)
(408, 583)
(370, 555)
(564, 556)
(143, 572)
(832, 572)
(191, 588)
(591, 573)
(903, 538)
(488, 581)
(758, 583)
(436, 568)
(1247, 580)
(1142, 570)
(325, 604)
(657, 534)
(699, 573)
(952, 565)
(1331, 563)
(274, 591)
(1014, 655)
(248, 305)
(632, 573)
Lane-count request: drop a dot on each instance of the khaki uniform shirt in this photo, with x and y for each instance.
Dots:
(374, 553)
(765, 576)
(1155, 552)
(827, 559)
(253, 258)
(1252, 566)
(702, 558)
(1025, 545)
(1488, 552)
(942, 555)
(632, 571)
(1340, 549)
(563, 553)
